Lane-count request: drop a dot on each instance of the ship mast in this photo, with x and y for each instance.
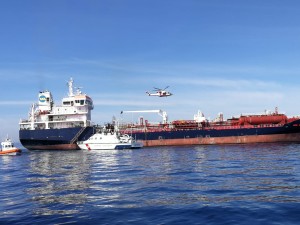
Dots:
(70, 84)
(32, 116)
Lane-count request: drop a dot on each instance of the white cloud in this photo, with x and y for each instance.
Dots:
(226, 83)
(194, 87)
(15, 103)
(113, 102)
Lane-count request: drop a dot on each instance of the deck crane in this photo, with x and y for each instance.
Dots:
(160, 112)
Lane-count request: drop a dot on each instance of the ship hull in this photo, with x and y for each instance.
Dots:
(54, 139)
(14, 151)
(104, 146)
(222, 135)
(225, 140)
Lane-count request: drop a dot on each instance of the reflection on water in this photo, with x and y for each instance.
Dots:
(77, 186)
(58, 178)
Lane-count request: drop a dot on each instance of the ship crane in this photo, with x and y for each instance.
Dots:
(160, 112)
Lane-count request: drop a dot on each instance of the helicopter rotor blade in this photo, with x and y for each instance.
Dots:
(156, 89)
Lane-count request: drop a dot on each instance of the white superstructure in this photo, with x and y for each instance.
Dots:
(74, 111)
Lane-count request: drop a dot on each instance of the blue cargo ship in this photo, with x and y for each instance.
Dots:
(51, 127)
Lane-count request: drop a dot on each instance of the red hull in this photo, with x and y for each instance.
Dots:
(226, 140)
(14, 151)
(54, 147)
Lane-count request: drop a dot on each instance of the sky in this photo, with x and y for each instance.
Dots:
(227, 56)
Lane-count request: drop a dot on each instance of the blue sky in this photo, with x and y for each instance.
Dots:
(227, 56)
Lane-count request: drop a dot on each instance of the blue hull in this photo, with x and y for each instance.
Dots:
(66, 138)
(120, 147)
(227, 135)
(54, 139)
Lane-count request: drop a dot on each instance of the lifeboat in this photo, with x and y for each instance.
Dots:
(8, 148)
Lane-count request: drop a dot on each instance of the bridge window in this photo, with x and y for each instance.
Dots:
(66, 103)
(88, 102)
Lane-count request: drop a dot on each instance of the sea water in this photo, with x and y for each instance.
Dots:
(230, 184)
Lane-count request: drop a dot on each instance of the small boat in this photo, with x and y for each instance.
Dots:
(109, 139)
(8, 148)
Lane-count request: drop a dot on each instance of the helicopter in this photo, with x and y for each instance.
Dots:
(160, 92)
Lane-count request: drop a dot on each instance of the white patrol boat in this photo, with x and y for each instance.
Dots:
(107, 139)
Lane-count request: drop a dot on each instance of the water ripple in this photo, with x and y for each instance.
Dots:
(244, 184)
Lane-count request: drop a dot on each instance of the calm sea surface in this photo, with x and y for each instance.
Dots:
(232, 184)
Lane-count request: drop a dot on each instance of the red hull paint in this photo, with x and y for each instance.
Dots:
(11, 151)
(295, 137)
(54, 147)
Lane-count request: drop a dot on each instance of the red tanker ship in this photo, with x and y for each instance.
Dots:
(256, 128)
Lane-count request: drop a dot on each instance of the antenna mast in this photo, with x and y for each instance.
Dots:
(70, 84)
